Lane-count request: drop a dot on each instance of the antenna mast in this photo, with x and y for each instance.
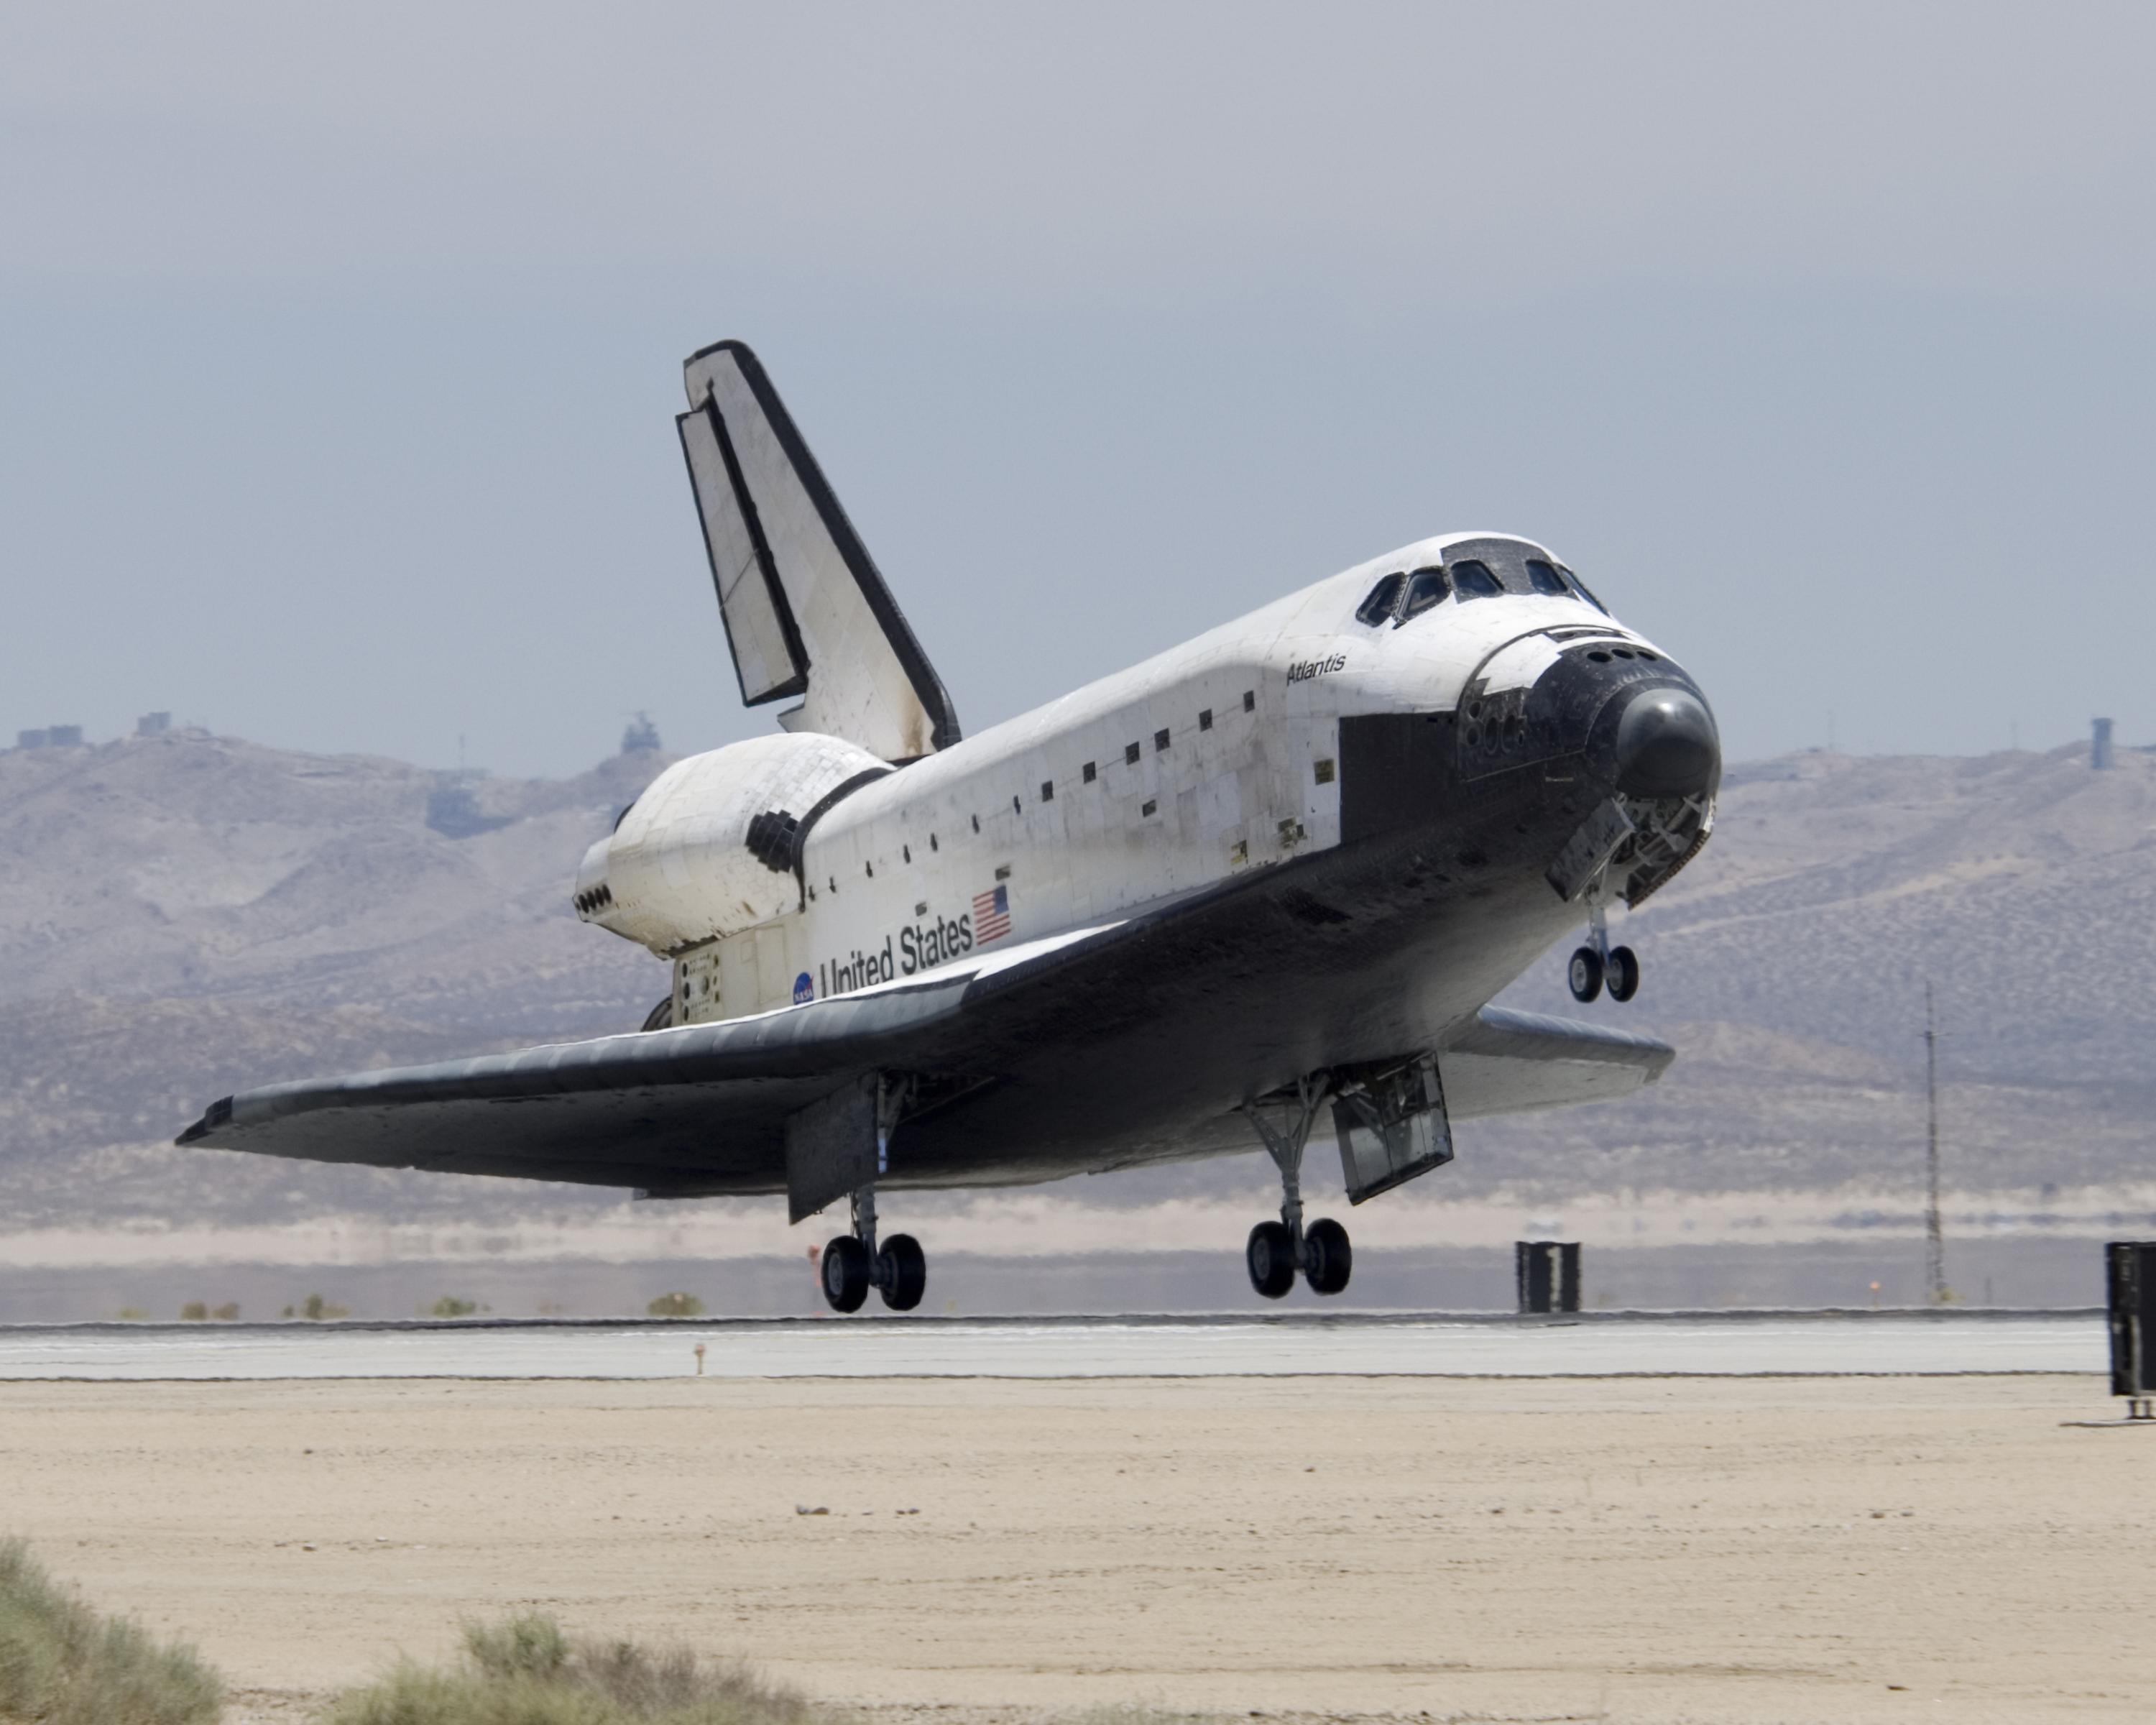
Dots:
(1935, 1244)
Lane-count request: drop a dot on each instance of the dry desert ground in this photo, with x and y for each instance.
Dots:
(1772, 1549)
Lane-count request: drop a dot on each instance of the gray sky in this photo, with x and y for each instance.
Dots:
(339, 347)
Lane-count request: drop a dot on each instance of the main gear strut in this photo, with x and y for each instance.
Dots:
(1278, 1250)
(852, 1262)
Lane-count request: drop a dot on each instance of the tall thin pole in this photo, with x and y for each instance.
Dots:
(1935, 1242)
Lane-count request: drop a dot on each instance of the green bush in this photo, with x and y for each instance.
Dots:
(449, 1305)
(527, 1672)
(61, 1663)
(676, 1306)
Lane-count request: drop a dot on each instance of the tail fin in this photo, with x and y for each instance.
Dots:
(806, 611)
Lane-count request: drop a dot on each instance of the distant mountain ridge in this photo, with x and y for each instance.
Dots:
(183, 914)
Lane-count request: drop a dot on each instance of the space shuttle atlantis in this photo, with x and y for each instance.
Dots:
(1269, 878)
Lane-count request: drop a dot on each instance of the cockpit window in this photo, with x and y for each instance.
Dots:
(1471, 579)
(1543, 578)
(1425, 587)
(1379, 607)
(1582, 589)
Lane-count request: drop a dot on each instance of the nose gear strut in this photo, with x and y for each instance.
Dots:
(1598, 964)
(1278, 1250)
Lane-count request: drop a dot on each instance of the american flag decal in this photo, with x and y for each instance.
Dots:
(991, 915)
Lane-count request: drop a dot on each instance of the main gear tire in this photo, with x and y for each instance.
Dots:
(846, 1274)
(905, 1272)
(1327, 1259)
(1622, 973)
(1269, 1257)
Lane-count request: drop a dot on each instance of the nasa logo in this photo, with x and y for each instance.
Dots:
(804, 988)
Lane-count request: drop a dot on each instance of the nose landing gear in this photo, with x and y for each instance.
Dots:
(1277, 1250)
(1598, 965)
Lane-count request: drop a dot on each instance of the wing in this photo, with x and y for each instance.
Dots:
(806, 611)
(677, 1113)
(1506, 1062)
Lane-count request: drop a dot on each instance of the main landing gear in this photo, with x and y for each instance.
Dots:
(1277, 1250)
(852, 1264)
(1598, 965)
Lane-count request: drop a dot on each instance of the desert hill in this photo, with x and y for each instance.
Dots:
(185, 914)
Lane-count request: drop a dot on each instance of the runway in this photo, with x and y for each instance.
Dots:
(972, 1551)
(1410, 1345)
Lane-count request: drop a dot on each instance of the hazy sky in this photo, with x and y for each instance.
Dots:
(340, 345)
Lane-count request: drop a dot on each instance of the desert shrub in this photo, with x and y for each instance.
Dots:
(676, 1306)
(131, 1315)
(195, 1312)
(315, 1308)
(62, 1664)
(227, 1313)
(449, 1305)
(527, 1672)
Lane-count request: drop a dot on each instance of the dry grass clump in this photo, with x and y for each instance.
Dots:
(527, 1672)
(61, 1663)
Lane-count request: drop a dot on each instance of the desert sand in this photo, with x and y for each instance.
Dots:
(1791, 1549)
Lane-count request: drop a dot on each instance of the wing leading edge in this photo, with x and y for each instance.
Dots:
(1507, 1062)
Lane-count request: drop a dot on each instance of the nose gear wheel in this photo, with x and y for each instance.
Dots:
(1584, 974)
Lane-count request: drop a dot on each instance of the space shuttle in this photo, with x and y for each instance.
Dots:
(1266, 883)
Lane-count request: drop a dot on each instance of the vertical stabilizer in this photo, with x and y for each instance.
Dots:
(806, 611)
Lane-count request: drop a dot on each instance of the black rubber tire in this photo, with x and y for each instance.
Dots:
(1584, 974)
(1269, 1257)
(846, 1274)
(905, 1272)
(1327, 1259)
(1622, 974)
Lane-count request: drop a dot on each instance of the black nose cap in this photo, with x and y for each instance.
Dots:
(1666, 745)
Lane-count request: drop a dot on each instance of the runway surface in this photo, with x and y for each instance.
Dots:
(1416, 1345)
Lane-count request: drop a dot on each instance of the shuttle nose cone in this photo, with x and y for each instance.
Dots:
(1666, 745)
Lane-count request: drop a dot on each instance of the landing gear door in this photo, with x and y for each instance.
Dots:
(1392, 1127)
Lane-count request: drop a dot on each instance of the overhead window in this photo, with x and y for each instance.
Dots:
(1544, 579)
(1384, 597)
(1471, 579)
(1583, 589)
(1425, 587)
